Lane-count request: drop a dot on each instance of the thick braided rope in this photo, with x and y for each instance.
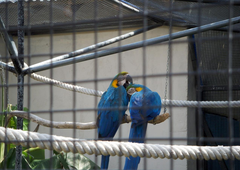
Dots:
(203, 104)
(176, 103)
(67, 86)
(66, 144)
(173, 103)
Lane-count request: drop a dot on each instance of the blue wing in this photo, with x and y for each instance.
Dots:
(109, 120)
(144, 106)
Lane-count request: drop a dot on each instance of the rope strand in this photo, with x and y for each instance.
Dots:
(67, 144)
(172, 103)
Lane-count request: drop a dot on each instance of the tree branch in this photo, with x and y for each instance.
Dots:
(72, 125)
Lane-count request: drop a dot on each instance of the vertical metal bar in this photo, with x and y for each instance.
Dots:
(73, 3)
(95, 64)
(20, 78)
(144, 66)
(230, 82)
(51, 31)
(120, 15)
(200, 163)
(169, 74)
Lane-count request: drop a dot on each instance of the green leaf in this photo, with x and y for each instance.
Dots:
(37, 153)
(64, 163)
(78, 161)
(25, 124)
(10, 159)
(28, 156)
(55, 152)
(25, 163)
(52, 163)
(25, 109)
(26, 160)
(2, 120)
(13, 122)
(2, 149)
(14, 107)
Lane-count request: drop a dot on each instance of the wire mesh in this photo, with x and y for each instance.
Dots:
(155, 42)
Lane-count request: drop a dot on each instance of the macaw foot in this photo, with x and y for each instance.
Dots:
(126, 119)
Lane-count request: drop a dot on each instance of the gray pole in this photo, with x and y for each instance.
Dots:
(139, 44)
(98, 45)
(7, 67)
(11, 47)
(156, 18)
(20, 78)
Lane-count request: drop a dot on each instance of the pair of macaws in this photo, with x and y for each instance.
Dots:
(145, 105)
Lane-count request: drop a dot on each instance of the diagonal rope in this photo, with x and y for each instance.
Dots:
(165, 102)
(67, 86)
(82, 146)
(170, 103)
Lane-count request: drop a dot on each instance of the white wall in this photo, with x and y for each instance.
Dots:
(37, 96)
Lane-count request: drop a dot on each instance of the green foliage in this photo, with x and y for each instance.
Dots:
(10, 148)
(12, 123)
(78, 161)
(34, 158)
(59, 161)
(9, 160)
(37, 153)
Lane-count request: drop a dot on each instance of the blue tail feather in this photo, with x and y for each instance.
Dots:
(137, 134)
(131, 163)
(140, 114)
(104, 162)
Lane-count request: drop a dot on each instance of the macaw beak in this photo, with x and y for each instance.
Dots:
(128, 81)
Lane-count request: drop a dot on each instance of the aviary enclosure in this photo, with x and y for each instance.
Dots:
(58, 57)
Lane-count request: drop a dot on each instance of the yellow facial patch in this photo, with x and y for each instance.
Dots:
(138, 89)
(114, 83)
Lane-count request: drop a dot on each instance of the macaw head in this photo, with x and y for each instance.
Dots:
(121, 79)
(132, 88)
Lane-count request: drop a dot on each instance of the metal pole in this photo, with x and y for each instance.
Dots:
(7, 67)
(155, 18)
(20, 78)
(11, 47)
(98, 45)
(139, 44)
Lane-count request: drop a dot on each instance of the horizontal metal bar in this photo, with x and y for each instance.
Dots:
(7, 67)
(11, 47)
(98, 45)
(132, 46)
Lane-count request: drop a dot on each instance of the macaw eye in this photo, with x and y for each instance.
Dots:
(131, 91)
(121, 77)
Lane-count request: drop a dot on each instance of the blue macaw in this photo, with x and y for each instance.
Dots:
(144, 105)
(109, 119)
